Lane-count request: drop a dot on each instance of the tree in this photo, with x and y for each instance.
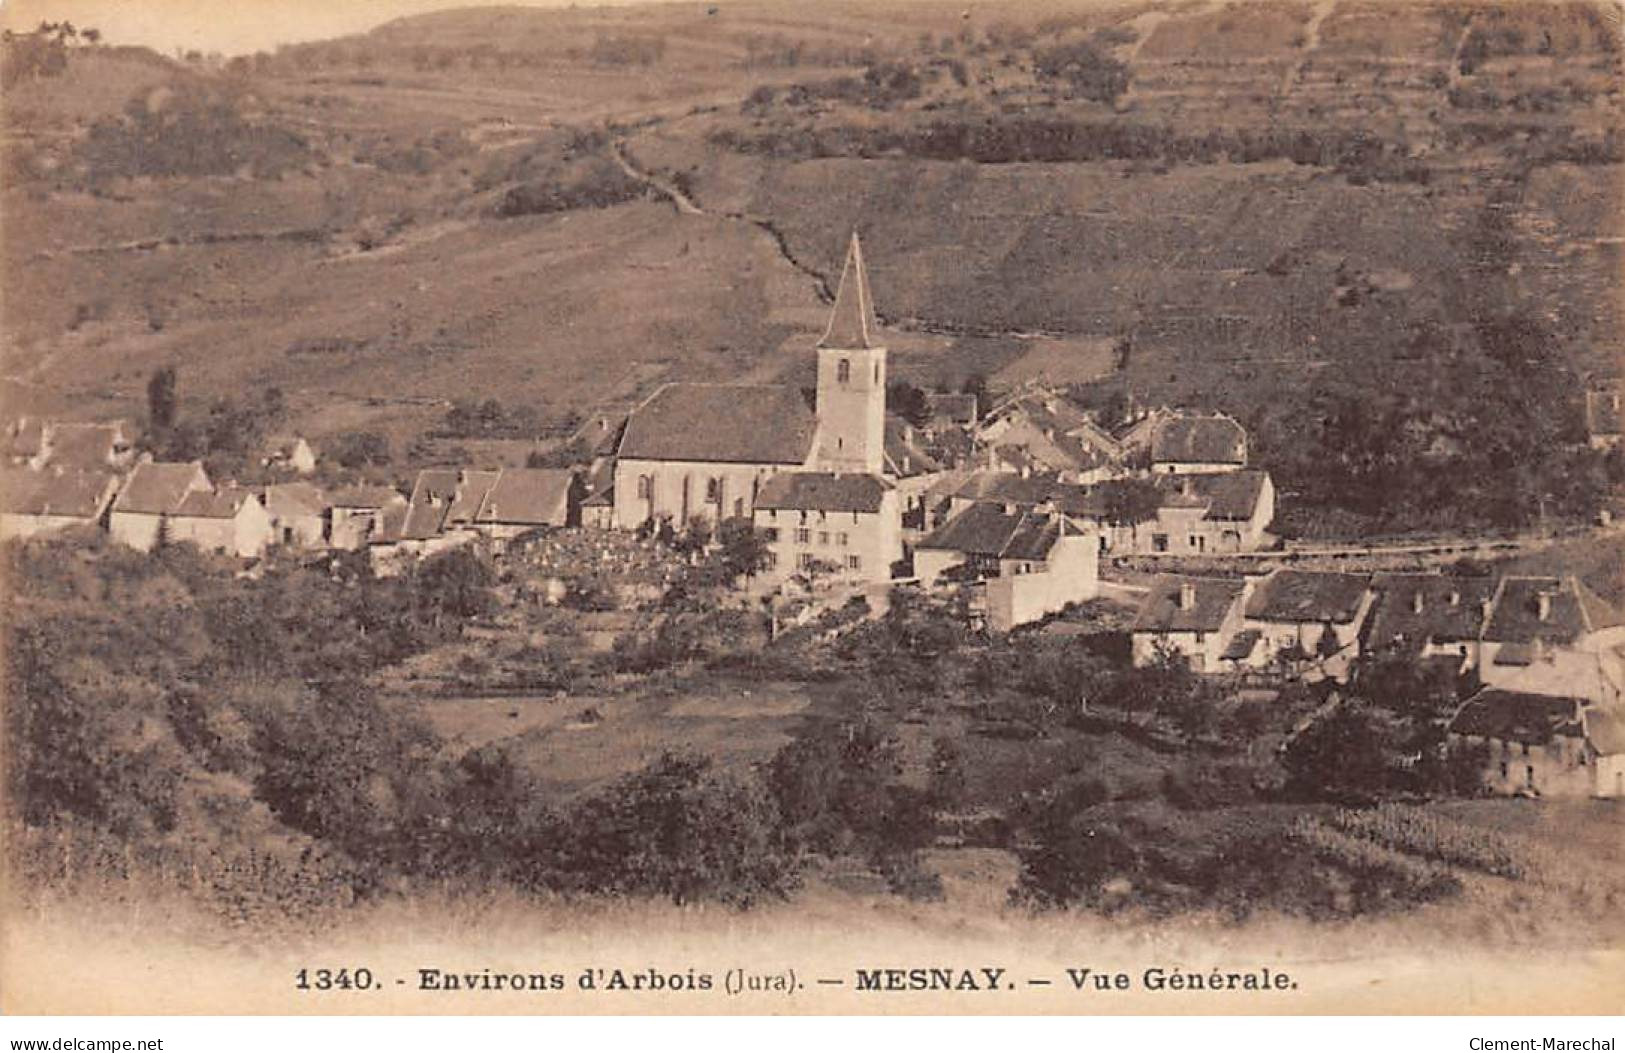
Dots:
(161, 397)
(976, 384)
(1130, 502)
(455, 583)
(1345, 755)
(744, 551)
(908, 402)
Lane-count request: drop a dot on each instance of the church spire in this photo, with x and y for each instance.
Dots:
(852, 323)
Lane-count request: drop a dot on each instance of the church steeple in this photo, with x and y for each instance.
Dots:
(852, 377)
(852, 324)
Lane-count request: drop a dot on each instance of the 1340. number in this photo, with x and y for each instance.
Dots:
(333, 979)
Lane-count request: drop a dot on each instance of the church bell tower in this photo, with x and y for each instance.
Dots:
(851, 403)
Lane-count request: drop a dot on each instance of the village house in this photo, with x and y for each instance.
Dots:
(1420, 616)
(1553, 636)
(1312, 618)
(1025, 564)
(1183, 442)
(1197, 617)
(1544, 745)
(290, 453)
(298, 513)
(843, 527)
(230, 519)
(69, 445)
(357, 515)
(526, 499)
(1041, 432)
(41, 502)
(152, 493)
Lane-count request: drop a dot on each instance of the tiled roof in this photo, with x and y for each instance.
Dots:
(1199, 440)
(1416, 608)
(822, 492)
(986, 530)
(852, 324)
(731, 423)
(905, 456)
(365, 497)
(1572, 611)
(50, 493)
(86, 446)
(1227, 495)
(295, 499)
(952, 409)
(432, 495)
(1211, 602)
(1514, 716)
(1307, 596)
(539, 496)
(1241, 645)
(155, 488)
(1006, 488)
(473, 487)
(224, 503)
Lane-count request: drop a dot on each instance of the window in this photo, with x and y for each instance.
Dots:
(843, 371)
(772, 560)
(803, 536)
(739, 507)
(841, 539)
(646, 486)
(854, 563)
(770, 535)
(805, 561)
(1201, 637)
(877, 374)
(1503, 769)
(823, 537)
(1159, 542)
(713, 491)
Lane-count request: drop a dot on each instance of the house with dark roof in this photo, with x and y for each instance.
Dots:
(826, 524)
(230, 519)
(1198, 617)
(1204, 512)
(1543, 744)
(1553, 636)
(1188, 442)
(359, 514)
(526, 499)
(1313, 617)
(69, 445)
(1024, 564)
(1428, 615)
(41, 502)
(151, 494)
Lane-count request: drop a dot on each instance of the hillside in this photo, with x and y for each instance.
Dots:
(1268, 208)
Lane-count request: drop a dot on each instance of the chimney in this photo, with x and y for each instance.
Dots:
(1543, 604)
(1187, 595)
(1416, 601)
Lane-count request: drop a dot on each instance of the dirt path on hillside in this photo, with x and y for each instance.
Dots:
(1311, 44)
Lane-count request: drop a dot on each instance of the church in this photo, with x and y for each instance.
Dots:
(812, 478)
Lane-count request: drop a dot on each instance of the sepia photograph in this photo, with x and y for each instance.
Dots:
(744, 507)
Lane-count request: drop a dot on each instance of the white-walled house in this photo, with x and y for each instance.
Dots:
(1306, 610)
(42, 502)
(1195, 616)
(230, 519)
(841, 527)
(1544, 745)
(1027, 564)
(151, 494)
(1553, 636)
(299, 514)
